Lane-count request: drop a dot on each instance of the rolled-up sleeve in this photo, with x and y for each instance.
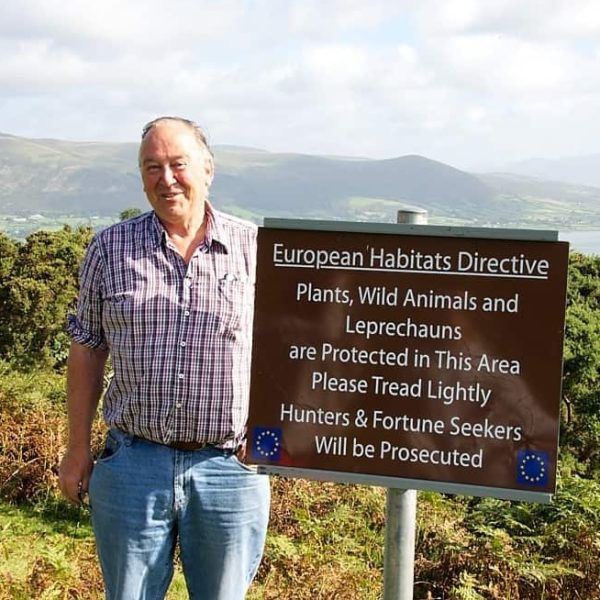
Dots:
(85, 327)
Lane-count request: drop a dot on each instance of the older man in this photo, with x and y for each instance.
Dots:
(169, 296)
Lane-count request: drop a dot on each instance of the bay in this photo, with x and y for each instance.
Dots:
(586, 242)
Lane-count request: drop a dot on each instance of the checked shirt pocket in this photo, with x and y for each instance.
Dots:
(235, 295)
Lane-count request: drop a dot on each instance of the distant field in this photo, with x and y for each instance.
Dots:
(516, 212)
(20, 226)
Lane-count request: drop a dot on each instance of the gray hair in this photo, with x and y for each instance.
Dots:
(193, 127)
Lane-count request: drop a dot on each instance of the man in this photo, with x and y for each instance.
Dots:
(169, 296)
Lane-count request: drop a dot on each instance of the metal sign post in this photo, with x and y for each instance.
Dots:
(401, 508)
(399, 557)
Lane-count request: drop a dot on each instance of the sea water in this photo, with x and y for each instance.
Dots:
(587, 242)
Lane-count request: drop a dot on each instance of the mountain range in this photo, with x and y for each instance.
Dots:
(57, 177)
(581, 170)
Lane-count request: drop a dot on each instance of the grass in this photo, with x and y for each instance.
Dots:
(51, 554)
(325, 542)
(45, 557)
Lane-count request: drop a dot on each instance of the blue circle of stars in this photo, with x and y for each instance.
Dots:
(532, 468)
(267, 443)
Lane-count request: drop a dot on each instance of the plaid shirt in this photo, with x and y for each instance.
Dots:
(179, 335)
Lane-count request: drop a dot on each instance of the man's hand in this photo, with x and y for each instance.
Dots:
(74, 474)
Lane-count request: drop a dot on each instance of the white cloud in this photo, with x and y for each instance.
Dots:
(315, 17)
(535, 19)
(147, 24)
(450, 80)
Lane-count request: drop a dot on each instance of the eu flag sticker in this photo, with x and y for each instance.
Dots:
(533, 468)
(266, 443)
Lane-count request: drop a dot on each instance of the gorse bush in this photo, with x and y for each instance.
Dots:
(580, 425)
(38, 287)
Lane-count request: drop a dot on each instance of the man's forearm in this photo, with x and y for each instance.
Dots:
(85, 374)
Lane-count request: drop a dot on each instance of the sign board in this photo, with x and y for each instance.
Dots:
(416, 361)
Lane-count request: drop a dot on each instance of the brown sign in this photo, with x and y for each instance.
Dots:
(415, 357)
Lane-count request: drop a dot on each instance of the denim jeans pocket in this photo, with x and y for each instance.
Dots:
(112, 446)
(239, 463)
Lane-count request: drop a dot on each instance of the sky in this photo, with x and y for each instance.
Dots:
(467, 82)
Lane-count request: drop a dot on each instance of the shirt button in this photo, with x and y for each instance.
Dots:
(187, 313)
(180, 375)
(182, 344)
(178, 405)
(188, 282)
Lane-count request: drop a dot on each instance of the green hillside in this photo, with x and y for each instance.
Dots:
(61, 178)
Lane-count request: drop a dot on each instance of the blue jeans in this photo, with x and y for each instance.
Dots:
(145, 497)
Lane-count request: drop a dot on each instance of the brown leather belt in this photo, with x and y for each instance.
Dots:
(190, 446)
(239, 451)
